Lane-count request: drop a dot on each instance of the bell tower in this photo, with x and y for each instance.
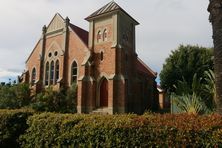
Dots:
(112, 42)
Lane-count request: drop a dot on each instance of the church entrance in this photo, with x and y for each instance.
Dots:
(104, 93)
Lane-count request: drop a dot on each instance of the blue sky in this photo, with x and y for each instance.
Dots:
(164, 25)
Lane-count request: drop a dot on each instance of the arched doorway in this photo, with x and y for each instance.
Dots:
(104, 93)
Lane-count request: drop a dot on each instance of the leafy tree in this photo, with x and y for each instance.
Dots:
(183, 64)
(216, 20)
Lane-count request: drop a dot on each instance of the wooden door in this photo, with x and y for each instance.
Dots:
(104, 93)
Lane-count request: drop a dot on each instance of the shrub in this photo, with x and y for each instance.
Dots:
(189, 104)
(63, 101)
(15, 96)
(68, 130)
(12, 125)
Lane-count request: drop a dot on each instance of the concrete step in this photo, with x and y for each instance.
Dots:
(103, 111)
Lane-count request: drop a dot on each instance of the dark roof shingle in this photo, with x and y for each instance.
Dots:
(142, 67)
(83, 34)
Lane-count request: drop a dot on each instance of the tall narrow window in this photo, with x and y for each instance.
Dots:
(57, 71)
(101, 56)
(33, 76)
(105, 35)
(74, 72)
(47, 73)
(99, 36)
(52, 69)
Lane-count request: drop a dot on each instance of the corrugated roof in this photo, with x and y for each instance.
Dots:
(83, 34)
(110, 7)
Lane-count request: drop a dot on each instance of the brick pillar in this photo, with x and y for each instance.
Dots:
(65, 49)
(86, 92)
(40, 83)
(80, 97)
(119, 105)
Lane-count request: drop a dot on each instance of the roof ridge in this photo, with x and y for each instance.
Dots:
(111, 6)
(108, 8)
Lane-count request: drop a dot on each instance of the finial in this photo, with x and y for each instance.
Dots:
(67, 20)
(44, 29)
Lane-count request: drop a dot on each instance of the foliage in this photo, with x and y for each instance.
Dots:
(183, 64)
(15, 96)
(203, 93)
(209, 89)
(58, 101)
(150, 130)
(71, 98)
(182, 87)
(191, 104)
(12, 125)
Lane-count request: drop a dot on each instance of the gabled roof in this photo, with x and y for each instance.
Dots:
(142, 67)
(82, 34)
(110, 7)
(57, 22)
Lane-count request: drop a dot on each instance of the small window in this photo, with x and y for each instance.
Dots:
(101, 56)
(52, 70)
(50, 54)
(47, 74)
(57, 71)
(74, 72)
(56, 53)
(33, 76)
(99, 36)
(105, 35)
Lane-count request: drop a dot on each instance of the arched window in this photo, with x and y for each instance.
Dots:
(33, 76)
(74, 72)
(57, 71)
(52, 70)
(47, 73)
(99, 36)
(105, 35)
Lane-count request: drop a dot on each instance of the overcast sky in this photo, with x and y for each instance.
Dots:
(164, 25)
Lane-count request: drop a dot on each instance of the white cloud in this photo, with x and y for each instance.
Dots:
(5, 75)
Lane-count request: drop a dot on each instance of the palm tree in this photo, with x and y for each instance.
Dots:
(215, 9)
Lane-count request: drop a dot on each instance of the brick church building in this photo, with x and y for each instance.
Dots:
(102, 62)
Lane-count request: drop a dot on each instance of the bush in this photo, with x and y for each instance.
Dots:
(12, 125)
(191, 104)
(15, 96)
(63, 101)
(67, 130)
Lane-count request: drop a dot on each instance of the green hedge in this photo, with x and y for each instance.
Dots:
(24, 128)
(73, 130)
(12, 125)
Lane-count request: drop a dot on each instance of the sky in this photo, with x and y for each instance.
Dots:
(164, 25)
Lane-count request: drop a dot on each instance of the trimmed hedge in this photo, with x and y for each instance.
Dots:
(74, 130)
(24, 128)
(12, 125)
